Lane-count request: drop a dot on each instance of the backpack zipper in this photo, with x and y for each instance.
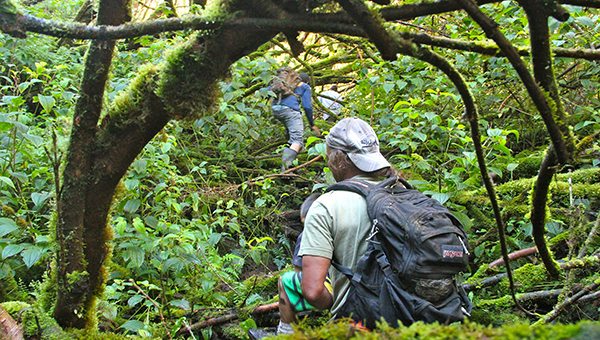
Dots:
(463, 245)
(374, 230)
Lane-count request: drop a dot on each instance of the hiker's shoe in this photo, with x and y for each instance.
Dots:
(260, 333)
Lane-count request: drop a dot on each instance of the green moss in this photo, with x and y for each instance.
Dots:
(519, 329)
(527, 277)
(186, 85)
(13, 307)
(37, 324)
(482, 273)
(83, 334)
(128, 103)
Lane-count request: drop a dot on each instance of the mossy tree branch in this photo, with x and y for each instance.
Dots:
(538, 97)
(79, 259)
(308, 23)
(537, 13)
(357, 10)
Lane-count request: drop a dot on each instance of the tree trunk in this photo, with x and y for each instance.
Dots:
(99, 155)
(77, 276)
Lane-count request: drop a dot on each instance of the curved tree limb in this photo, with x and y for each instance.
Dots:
(535, 92)
(514, 255)
(544, 74)
(356, 9)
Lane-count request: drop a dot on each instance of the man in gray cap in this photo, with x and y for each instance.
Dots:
(337, 224)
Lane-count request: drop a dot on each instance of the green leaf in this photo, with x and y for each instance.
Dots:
(39, 198)
(183, 304)
(441, 197)
(11, 250)
(7, 181)
(131, 184)
(132, 205)
(133, 326)
(387, 87)
(135, 256)
(31, 255)
(512, 166)
(35, 140)
(47, 102)
(420, 136)
(134, 300)
(7, 226)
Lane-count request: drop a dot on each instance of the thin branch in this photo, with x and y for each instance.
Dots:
(592, 236)
(158, 308)
(223, 319)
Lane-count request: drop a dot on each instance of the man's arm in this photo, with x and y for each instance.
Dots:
(314, 271)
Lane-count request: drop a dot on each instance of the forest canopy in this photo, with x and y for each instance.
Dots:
(140, 178)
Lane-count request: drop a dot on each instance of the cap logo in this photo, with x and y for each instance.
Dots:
(369, 142)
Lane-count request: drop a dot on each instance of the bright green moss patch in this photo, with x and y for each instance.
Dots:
(468, 330)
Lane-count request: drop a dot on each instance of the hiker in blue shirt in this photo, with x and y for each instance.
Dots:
(287, 110)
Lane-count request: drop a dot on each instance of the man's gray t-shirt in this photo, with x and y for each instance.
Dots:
(336, 227)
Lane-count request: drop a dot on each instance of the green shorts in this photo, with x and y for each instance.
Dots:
(292, 284)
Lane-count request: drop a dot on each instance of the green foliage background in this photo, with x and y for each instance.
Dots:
(197, 221)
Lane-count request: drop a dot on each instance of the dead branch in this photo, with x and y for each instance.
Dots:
(223, 319)
(514, 255)
(558, 309)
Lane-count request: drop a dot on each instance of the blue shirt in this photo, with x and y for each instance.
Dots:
(303, 95)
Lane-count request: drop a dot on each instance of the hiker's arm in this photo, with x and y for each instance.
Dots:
(314, 271)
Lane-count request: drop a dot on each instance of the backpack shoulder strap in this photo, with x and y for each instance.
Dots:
(357, 186)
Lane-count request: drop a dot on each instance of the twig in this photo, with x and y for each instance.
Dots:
(591, 236)
(162, 317)
(316, 159)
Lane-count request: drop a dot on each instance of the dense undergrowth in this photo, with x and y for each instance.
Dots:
(203, 222)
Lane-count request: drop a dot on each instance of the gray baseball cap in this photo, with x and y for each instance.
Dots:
(358, 140)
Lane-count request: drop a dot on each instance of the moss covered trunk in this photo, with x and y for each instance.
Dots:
(74, 283)
(100, 154)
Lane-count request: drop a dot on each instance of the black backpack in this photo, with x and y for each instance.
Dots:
(415, 249)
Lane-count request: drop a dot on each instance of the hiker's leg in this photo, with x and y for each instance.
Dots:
(291, 300)
(286, 313)
(295, 129)
(287, 157)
